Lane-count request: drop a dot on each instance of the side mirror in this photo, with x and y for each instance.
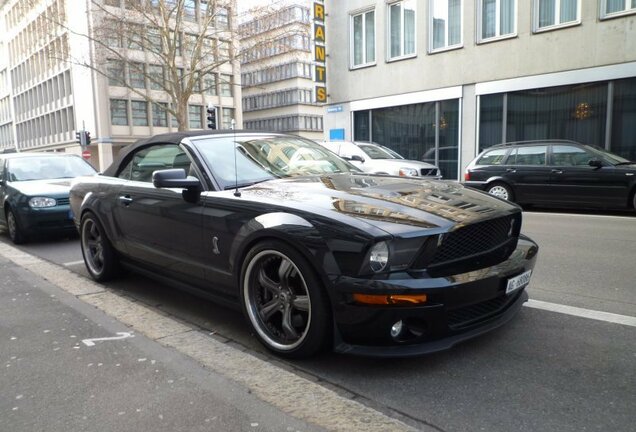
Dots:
(596, 163)
(357, 158)
(174, 178)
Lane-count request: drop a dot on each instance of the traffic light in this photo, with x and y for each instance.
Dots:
(87, 138)
(211, 116)
(81, 137)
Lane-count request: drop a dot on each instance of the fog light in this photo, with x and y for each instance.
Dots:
(396, 329)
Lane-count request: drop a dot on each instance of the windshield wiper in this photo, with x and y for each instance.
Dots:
(625, 163)
(242, 185)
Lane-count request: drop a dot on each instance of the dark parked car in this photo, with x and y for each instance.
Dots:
(554, 173)
(34, 193)
(315, 253)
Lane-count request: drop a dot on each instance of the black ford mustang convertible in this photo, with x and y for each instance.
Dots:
(316, 253)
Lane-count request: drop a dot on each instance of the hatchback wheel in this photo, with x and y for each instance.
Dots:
(16, 234)
(501, 190)
(99, 255)
(284, 301)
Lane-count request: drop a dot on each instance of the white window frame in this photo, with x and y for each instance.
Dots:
(627, 10)
(365, 61)
(401, 56)
(480, 21)
(460, 44)
(557, 24)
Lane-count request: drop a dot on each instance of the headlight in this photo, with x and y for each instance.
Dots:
(379, 256)
(40, 202)
(408, 172)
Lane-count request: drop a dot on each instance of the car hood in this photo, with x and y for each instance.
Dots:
(627, 167)
(53, 187)
(401, 163)
(398, 205)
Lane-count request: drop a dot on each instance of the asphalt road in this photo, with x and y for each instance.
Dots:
(545, 371)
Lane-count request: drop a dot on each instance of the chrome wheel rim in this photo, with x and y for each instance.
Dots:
(93, 246)
(277, 300)
(11, 224)
(499, 191)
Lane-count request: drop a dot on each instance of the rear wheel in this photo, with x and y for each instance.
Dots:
(16, 234)
(284, 301)
(500, 190)
(99, 255)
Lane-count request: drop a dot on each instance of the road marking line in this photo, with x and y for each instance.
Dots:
(72, 263)
(626, 216)
(584, 313)
(120, 335)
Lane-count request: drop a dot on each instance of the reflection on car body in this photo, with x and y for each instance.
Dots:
(316, 253)
(555, 173)
(34, 191)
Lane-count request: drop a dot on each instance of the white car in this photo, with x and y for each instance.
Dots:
(377, 159)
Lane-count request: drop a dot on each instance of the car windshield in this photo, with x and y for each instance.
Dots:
(612, 158)
(260, 158)
(47, 167)
(379, 152)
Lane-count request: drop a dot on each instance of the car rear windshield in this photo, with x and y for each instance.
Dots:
(379, 152)
(47, 167)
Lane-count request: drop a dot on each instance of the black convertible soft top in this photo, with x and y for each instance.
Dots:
(170, 138)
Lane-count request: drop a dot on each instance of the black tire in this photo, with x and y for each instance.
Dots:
(501, 190)
(284, 301)
(16, 233)
(99, 255)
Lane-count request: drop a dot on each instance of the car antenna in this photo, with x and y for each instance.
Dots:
(236, 190)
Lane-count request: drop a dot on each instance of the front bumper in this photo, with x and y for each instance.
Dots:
(459, 307)
(47, 220)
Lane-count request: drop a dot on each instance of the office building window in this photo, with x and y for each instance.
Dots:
(226, 118)
(226, 85)
(195, 114)
(139, 113)
(550, 14)
(363, 39)
(136, 75)
(401, 29)
(612, 8)
(159, 114)
(118, 112)
(209, 84)
(445, 24)
(496, 19)
(156, 77)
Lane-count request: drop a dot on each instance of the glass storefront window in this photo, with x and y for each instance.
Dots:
(623, 136)
(490, 120)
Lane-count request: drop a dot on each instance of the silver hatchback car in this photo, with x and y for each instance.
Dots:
(377, 159)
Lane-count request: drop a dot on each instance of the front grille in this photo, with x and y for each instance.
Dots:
(474, 239)
(428, 172)
(62, 201)
(468, 315)
(471, 247)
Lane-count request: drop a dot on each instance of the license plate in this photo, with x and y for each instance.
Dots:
(518, 282)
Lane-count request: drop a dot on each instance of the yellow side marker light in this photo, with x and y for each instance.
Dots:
(390, 299)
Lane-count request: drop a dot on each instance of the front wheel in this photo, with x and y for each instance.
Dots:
(501, 190)
(284, 301)
(99, 255)
(16, 234)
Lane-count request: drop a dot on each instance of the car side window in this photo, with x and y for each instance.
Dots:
(531, 155)
(150, 159)
(1, 170)
(565, 155)
(493, 157)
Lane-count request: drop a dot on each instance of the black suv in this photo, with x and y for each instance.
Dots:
(554, 173)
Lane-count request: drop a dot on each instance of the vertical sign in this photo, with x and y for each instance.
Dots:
(320, 55)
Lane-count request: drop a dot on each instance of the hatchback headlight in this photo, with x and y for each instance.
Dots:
(379, 256)
(408, 172)
(40, 202)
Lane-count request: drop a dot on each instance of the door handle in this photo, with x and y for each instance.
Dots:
(556, 171)
(511, 170)
(125, 200)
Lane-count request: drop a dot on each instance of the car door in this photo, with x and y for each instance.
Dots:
(528, 173)
(575, 182)
(159, 227)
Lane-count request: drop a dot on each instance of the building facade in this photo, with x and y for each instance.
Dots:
(440, 80)
(277, 71)
(51, 86)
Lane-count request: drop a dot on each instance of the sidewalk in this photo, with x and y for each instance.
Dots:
(169, 376)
